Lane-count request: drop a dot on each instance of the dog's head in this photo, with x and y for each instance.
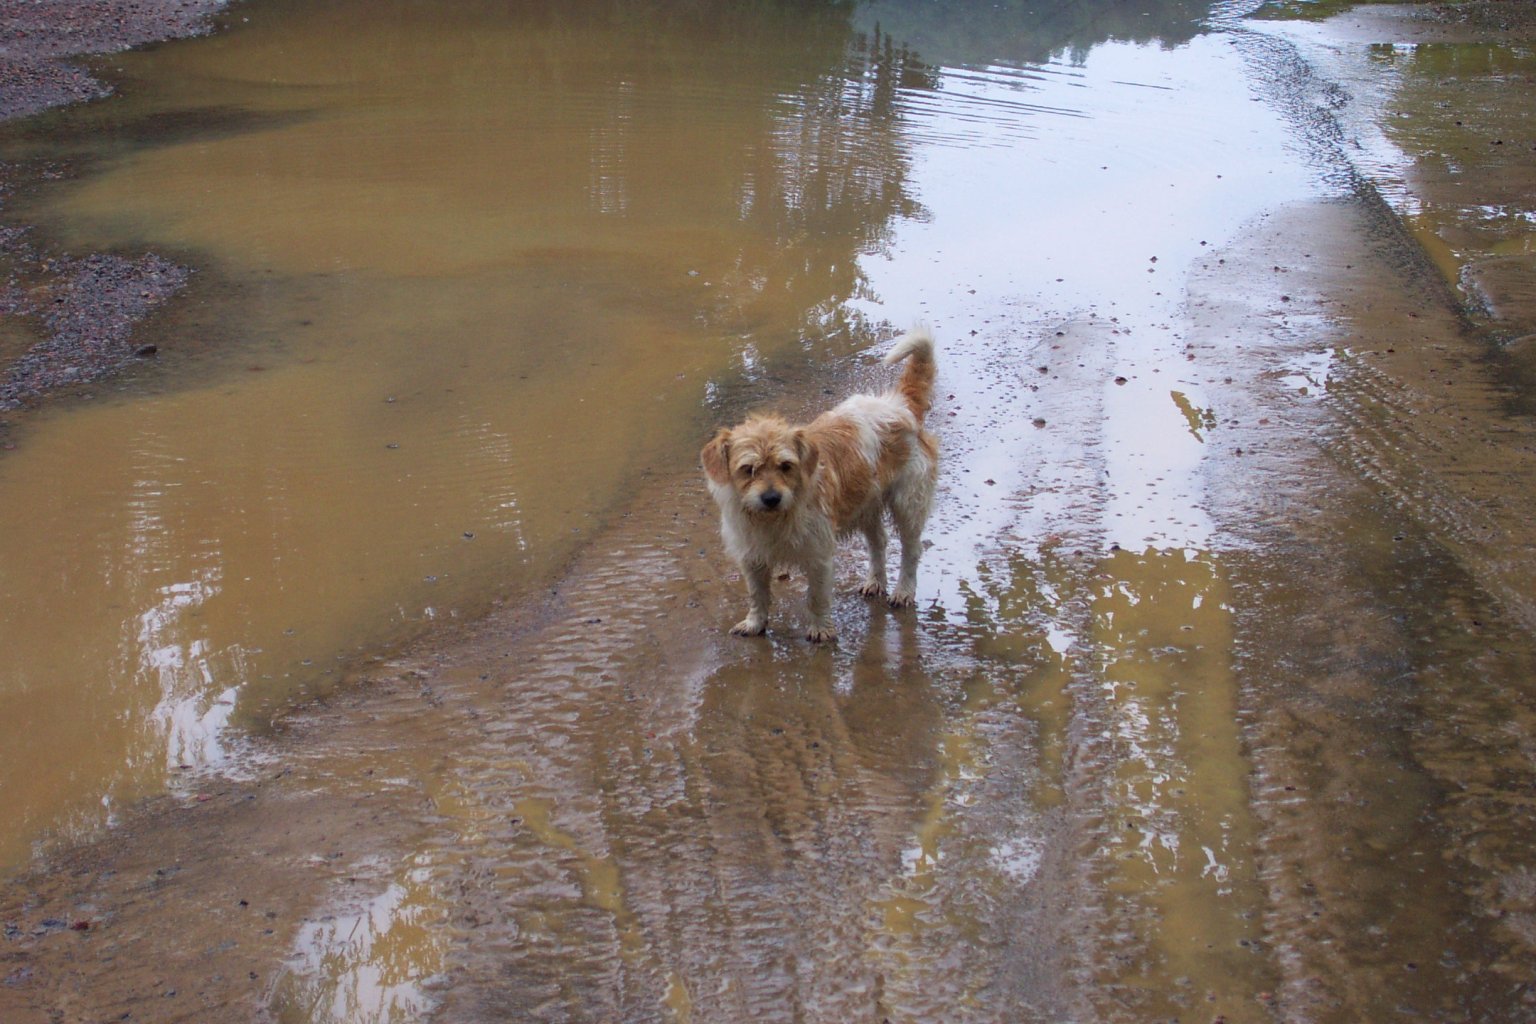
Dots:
(765, 462)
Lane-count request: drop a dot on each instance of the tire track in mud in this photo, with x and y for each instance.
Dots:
(1383, 640)
(1426, 422)
(1387, 643)
(642, 819)
(1440, 470)
(704, 840)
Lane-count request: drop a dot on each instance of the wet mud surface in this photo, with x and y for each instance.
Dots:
(1281, 774)
(1446, 74)
(1381, 606)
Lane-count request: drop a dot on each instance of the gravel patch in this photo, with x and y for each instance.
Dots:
(85, 307)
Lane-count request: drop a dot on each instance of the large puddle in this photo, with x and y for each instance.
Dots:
(475, 282)
(466, 275)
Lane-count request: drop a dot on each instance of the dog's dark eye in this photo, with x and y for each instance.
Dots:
(747, 470)
(785, 467)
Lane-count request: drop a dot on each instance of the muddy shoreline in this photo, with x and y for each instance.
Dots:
(192, 906)
(75, 318)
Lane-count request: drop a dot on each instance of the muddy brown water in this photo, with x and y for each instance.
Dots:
(365, 654)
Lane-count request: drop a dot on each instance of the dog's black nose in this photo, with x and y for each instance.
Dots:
(770, 499)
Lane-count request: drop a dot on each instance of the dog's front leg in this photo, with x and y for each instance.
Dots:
(758, 597)
(818, 599)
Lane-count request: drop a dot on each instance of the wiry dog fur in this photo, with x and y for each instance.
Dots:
(787, 493)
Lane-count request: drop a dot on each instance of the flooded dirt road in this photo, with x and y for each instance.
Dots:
(366, 653)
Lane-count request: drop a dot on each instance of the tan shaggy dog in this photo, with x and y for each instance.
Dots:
(787, 493)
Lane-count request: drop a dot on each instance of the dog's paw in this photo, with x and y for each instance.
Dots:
(821, 634)
(749, 627)
(872, 588)
(902, 599)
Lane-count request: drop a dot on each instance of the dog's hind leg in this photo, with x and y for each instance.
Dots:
(910, 512)
(759, 596)
(874, 536)
(911, 498)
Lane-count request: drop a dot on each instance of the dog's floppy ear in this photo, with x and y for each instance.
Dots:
(716, 456)
(806, 449)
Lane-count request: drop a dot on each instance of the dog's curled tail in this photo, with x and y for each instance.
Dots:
(916, 385)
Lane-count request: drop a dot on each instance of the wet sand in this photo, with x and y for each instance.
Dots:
(592, 804)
